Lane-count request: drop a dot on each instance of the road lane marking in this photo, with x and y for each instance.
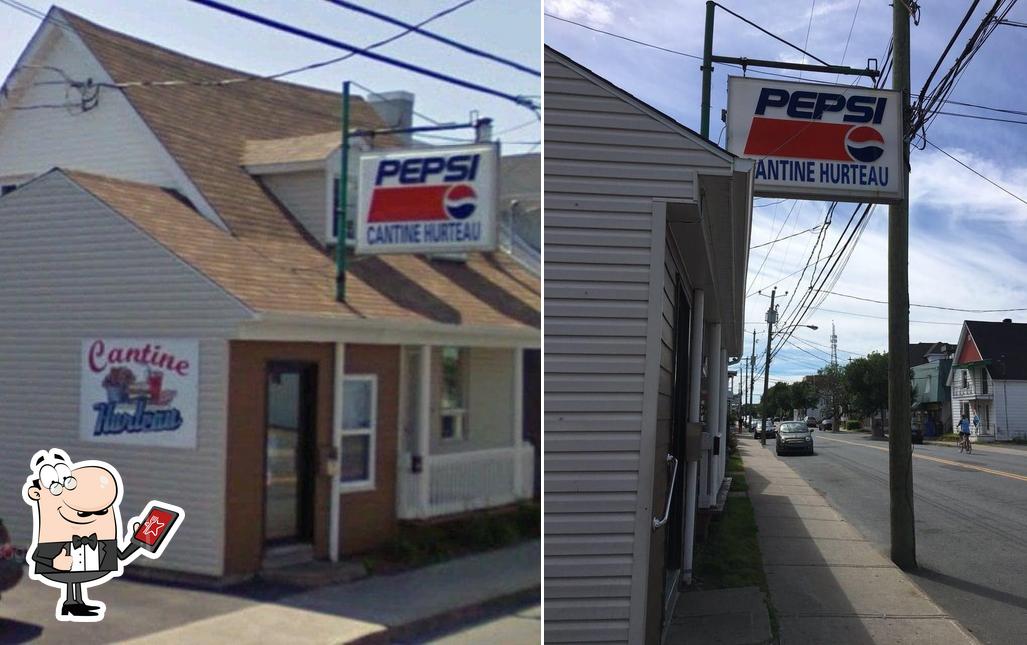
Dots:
(990, 471)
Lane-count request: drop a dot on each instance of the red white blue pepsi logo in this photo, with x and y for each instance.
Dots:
(460, 201)
(864, 144)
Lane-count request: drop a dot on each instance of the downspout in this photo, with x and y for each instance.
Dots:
(709, 487)
(691, 472)
(723, 430)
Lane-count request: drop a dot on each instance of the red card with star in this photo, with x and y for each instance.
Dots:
(157, 524)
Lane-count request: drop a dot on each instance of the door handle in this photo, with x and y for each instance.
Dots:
(660, 521)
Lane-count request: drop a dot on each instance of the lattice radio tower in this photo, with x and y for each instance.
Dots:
(834, 346)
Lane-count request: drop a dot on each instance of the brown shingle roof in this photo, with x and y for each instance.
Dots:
(311, 147)
(205, 127)
(289, 276)
(266, 260)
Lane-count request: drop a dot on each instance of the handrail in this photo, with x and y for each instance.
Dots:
(658, 521)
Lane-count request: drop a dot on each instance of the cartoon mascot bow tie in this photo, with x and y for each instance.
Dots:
(78, 540)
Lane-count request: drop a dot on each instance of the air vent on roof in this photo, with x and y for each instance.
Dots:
(1007, 320)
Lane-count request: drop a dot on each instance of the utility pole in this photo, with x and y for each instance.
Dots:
(752, 373)
(707, 69)
(771, 319)
(900, 448)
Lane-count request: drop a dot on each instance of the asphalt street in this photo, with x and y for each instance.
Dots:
(971, 521)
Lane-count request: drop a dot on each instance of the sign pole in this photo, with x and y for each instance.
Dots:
(900, 453)
(340, 207)
(707, 70)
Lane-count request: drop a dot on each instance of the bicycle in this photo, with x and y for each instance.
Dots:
(965, 445)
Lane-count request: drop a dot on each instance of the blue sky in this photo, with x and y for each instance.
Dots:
(966, 236)
(508, 29)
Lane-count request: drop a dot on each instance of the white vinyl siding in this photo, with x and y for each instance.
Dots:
(109, 139)
(606, 161)
(1010, 409)
(304, 195)
(70, 268)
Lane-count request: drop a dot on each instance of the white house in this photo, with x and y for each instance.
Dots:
(646, 243)
(988, 379)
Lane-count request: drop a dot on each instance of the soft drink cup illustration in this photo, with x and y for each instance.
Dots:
(155, 380)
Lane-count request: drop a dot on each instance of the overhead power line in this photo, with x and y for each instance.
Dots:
(676, 52)
(248, 78)
(388, 60)
(974, 171)
(852, 313)
(809, 230)
(630, 40)
(980, 117)
(775, 36)
(912, 304)
(436, 37)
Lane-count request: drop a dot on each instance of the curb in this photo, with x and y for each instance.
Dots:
(452, 617)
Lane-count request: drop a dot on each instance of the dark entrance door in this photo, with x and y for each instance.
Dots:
(289, 453)
(679, 417)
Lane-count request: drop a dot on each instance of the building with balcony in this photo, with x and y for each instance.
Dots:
(988, 379)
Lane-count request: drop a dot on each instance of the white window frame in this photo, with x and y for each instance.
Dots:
(459, 414)
(368, 484)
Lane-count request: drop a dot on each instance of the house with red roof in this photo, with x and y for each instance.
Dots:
(168, 304)
(988, 379)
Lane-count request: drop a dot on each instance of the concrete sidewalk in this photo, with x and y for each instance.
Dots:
(827, 583)
(377, 609)
(735, 616)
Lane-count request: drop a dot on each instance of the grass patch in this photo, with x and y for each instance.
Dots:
(951, 437)
(734, 463)
(417, 545)
(738, 483)
(730, 556)
(1020, 441)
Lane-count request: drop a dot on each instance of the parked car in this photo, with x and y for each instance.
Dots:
(771, 432)
(811, 422)
(827, 424)
(794, 436)
(917, 434)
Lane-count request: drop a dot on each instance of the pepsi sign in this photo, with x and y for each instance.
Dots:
(428, 200)
(817, 141)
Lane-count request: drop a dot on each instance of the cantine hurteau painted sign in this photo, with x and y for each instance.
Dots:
(817, 141)
(139, 391)
(428, 200)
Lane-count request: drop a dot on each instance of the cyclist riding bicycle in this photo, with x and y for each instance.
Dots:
(964, 432)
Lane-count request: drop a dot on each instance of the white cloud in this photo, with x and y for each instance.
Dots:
(942, 184)
(592, 12)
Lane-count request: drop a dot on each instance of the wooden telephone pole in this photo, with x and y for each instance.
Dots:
(900, 455)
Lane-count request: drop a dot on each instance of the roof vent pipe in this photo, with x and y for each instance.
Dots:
(1007, 320)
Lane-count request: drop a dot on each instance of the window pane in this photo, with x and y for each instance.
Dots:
(356, 407)
(448, 426)
(355, 464)
(452, 379)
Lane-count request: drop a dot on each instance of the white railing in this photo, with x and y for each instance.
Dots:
(466, 481)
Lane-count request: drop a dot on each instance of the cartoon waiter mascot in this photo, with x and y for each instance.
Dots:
(76, 526)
